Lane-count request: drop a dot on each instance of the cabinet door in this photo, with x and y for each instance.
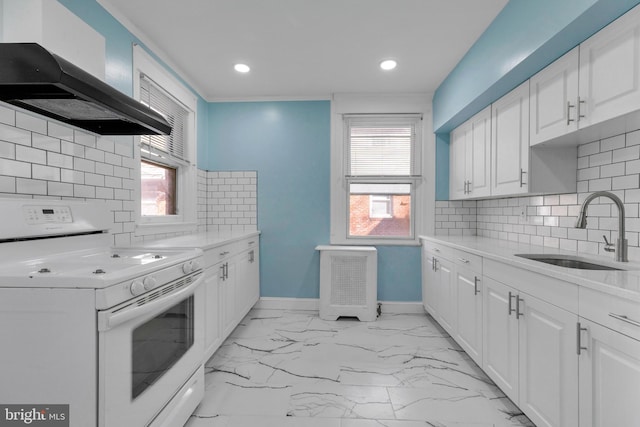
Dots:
(429, 284)
(469, 313)
(548, 363)
(446, 295)
(479, 154)
(457, 163)
(242, 285)
(253, 277)
(609, 378)
(228, 298)
(610, 70)
(212, 329)
(554, 93)
(510, 142)
(500, 346)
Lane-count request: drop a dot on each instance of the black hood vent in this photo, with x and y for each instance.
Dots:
(35, 79)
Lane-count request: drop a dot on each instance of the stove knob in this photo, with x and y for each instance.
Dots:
(150, 282)
(196, 265)
(187, 267)
(137, 288)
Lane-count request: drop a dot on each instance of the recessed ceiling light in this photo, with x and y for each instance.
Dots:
(388, 64)
(242, 68)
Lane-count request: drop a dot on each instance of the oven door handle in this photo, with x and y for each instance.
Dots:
(108, 320)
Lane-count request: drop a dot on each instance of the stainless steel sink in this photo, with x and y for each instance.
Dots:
(567, 261)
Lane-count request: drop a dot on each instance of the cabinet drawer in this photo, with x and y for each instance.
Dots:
(611, 311)
(219, 253)
(248, 243)
(468, 260)
(554, 291)
(439, 250)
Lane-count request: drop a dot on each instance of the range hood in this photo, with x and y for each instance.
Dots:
(35, 79)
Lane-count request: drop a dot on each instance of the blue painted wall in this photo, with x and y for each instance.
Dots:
(523, 39)
(288, 144)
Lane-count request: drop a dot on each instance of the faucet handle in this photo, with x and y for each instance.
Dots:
(607, 245)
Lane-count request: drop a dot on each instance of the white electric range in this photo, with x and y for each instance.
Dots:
(116, 334)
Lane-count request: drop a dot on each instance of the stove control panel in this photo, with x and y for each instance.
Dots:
(47, 214)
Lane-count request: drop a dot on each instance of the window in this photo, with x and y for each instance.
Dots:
(167, 183)
(381, 172)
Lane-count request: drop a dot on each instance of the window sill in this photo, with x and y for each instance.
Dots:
(165, 227)
(377, 242)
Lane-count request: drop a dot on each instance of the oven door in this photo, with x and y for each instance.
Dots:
(148, 348)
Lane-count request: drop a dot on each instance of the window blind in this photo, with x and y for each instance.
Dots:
(173, 145)
(384, 149)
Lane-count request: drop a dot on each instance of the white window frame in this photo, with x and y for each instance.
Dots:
(423, 197)
(186, 175)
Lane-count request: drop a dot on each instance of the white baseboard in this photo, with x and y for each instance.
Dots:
(388, 307)
(270, 303)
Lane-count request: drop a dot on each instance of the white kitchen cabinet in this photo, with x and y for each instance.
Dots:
(470, 162)
(429, 278)
(596, 83)
(510, 142)
(609, 79)
(212, 328)
(227, 281)
(553, 99)
(445, 294)
(438, 295)
(468, 291)
(548, 369)
(529, 351)
(500, 346)
(609, 377)
(247, 282)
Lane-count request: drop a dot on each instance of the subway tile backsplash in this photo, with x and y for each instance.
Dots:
(45, 159)
(611, 164)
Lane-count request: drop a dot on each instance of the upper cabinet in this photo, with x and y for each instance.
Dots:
(471, 157)
(510, 142)
(554, 98)
(596, 83)
(610, 71)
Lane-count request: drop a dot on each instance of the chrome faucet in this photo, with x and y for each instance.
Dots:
(621, 243)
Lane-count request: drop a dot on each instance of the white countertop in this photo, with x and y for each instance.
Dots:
(625, 283)
(203, 241)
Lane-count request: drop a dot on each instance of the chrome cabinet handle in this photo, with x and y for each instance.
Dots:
(518, 314)
(434, 264)
(522, 172)
(466, 261)
(624, 318)
(579, 346)
(569, 107)
(511, 310)
(252, 256)
(224, 253)
(579, 104)
(436, 250)
(475, 285)
(468, 187)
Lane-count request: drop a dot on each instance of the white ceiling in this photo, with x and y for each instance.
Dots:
(307, 48)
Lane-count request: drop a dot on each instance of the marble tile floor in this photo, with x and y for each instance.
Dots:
(290, 368)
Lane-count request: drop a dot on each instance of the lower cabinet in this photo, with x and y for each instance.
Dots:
(232, 288)
(212, 328)
(468, 292)
(445, 295)
(609, 377)
(530, 352)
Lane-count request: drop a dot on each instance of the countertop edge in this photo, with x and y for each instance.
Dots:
(615, 283)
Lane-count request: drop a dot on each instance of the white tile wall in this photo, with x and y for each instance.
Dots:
(611, 164)
(45, 159)
(232, 200)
